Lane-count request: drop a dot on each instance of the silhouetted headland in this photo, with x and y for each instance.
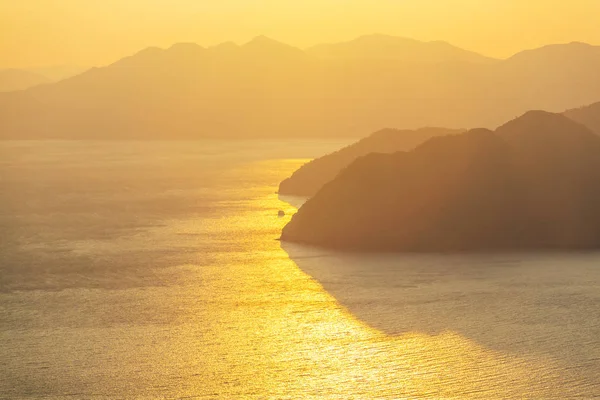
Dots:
(534, 183)
(309, 178)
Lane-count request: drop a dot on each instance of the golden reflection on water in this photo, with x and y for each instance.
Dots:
(282, 335)
(194, 297)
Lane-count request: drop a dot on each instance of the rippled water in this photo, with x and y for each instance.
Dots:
(152, 270)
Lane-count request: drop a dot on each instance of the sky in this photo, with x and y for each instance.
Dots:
(41, 33)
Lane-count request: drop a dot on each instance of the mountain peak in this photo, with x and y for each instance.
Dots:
(268, 46)
(539, 115)
(263, 40)
(545, 128)
(581, 44)
(557, 52)
(538, 118)
(185, 47)
(186, 53)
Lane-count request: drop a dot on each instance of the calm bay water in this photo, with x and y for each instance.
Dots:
(153, 270)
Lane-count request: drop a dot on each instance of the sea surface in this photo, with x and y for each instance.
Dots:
(153, 270)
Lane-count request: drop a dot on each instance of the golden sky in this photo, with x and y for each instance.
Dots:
(97, 32)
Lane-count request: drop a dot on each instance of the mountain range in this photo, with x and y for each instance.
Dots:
(532, 184)
(265, 88)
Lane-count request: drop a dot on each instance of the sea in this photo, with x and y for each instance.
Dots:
(154, 270)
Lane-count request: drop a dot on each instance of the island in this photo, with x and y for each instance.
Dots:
(533, 184)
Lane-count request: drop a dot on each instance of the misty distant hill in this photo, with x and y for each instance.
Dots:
(384, 47)
(534, 183)
(588, 116)
(309, 178)
(556, 77)
(19, 79)
(57, 73)
(265, 88)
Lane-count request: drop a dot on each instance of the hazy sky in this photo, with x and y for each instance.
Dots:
(97, 32)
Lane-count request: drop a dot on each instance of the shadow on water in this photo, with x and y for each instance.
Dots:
(527, 304)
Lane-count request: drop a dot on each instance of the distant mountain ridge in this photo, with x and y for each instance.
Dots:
(587, 115)
(12, 79)
(59, 72)
(391, 47)
(265, 88)
(19, 79)
(533, 184)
